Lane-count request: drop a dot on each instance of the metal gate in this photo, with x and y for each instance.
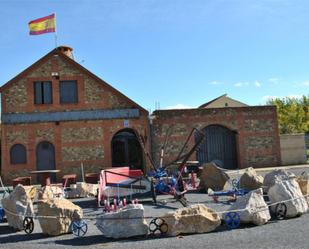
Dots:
(45, 157)
(219, 146)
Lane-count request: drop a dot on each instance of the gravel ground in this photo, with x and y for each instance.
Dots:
(291, 233)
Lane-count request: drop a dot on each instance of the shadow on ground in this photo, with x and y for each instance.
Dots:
(100, 239)
(7, 230)
(22, 237)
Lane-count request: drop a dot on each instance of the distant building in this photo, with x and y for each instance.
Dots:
(58, 115)
(223, 101)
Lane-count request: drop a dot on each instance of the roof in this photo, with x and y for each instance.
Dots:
(73, 63)
(224, 96)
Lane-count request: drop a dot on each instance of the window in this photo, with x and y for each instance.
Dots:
(42, 92)
(18, 154)
(68, 92)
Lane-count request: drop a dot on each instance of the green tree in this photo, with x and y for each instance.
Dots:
(293, 114)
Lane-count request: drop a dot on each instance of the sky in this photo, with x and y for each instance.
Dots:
(170, 53)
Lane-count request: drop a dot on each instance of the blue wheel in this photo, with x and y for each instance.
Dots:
(232, 220)
(79, 228)
(2, 214)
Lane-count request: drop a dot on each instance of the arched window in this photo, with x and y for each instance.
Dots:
(18, 154)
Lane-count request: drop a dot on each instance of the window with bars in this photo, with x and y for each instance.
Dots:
(42, 92)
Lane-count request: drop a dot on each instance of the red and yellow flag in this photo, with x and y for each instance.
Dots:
(43, 25)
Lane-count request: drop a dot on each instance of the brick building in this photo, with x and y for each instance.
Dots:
(56, 115)
(236, 137)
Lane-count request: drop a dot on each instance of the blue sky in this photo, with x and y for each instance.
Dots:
(171, 52)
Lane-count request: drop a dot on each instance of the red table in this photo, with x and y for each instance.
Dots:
(45, 175)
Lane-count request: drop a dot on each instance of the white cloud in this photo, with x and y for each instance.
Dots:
(179, 106)
(257, 83)
(241, 84)
(273, 80)
(305, 83)
(215, 82)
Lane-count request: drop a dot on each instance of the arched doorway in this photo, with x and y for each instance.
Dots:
(45, 157)
(126, 150)
(219, 146)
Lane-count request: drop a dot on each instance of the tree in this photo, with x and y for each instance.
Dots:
(293, 114)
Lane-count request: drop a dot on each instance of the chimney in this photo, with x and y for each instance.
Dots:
(67, 51)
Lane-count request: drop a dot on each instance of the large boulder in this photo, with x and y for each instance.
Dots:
(56, 215)
(278, 174)
(256, 210)
(17, 205)
(288, 190)
(197, 218)
(250, 180)
(212, 177)
(82, 189)
(126, 222)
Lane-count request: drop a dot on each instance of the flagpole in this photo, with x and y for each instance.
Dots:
(56, 36)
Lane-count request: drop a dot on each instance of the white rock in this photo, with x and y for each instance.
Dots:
(256, 211)
(278, 174)
(126, 222)
(286, 190)
(197, 218)
(17, 205)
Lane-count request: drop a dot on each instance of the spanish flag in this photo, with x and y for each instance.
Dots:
(43, 25)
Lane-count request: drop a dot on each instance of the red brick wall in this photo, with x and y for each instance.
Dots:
(258, 143)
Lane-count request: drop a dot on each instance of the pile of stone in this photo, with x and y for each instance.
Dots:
(213, 177)
(127, 222)
(255, 209)
(81, 190)
(18, 205)
(282, 187)
(197, 218)
(55, 215)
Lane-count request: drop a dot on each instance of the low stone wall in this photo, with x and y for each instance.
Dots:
(293, 149)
